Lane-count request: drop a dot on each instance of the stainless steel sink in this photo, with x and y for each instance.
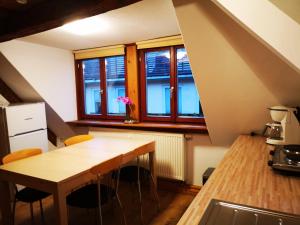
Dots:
(227, 213)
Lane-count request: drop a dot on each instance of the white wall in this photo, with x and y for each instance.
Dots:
(50, 71)
(201, 154)
(237, 77)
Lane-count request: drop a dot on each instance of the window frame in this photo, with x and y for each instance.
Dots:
(173, 83)
(81, 95)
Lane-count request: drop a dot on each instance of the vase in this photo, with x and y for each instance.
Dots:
(128, 117)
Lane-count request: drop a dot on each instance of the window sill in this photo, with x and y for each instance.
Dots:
(170, 127)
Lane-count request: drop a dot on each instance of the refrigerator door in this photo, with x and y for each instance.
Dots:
(37, 139)
(25, 118)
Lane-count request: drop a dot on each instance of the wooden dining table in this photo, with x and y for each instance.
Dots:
(62, 170)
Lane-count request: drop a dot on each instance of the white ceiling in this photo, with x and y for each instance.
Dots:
(144, 20)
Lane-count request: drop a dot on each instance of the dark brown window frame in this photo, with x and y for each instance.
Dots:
(173, 83)
(80, 90)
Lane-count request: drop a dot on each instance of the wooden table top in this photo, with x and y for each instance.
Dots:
(244, 177)
(63, 163)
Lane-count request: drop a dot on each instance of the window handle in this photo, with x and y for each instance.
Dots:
(171, 91)
(101, 91)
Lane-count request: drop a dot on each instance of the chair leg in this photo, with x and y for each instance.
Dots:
(99, 198)
(68, 214)
(117, 195)
(14, 211)
(31, 213)
(42, 212)
(97, 217)
(155, 192)
(139, 189)
(111, 183)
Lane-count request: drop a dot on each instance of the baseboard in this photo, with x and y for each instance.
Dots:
(177, 186)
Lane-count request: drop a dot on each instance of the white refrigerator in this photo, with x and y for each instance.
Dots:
(25, 126)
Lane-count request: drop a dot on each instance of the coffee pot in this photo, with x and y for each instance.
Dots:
(285, 129)
(275, 131)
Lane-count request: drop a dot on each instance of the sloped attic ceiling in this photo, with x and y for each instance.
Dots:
(147, 19)
(277, 31)
(18, 20)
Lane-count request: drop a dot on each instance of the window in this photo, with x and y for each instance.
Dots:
(100, 82)
(168, 91)
(188, 101)
(115, 84)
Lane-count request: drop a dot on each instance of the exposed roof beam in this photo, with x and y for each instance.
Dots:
(8, 93)
(51, 14)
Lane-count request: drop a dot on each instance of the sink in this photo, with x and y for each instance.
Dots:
(227, 213)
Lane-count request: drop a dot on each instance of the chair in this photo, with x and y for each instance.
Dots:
(77, 139)
(28, 195)
(132, 174)
(96, 195)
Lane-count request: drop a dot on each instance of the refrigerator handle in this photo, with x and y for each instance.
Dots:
(27, 132)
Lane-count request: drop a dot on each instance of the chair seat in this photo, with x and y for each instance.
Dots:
(87, 197)
(30, 195)
(130, 173)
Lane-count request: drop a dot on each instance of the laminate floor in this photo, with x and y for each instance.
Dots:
(173, 206)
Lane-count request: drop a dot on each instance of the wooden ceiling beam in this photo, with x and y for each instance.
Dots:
(48, 15)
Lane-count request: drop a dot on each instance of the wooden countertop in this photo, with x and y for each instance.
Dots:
(244, 177)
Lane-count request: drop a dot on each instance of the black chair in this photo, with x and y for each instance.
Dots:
(95, 195)
(28, 195)
(133, 174)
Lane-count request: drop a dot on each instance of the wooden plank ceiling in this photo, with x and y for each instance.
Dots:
(34, 16)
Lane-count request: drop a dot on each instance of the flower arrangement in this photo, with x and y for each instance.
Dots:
(125, 100)
(129, 104)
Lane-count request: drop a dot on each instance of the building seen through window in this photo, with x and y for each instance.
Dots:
(188, 101)
(104, 81)
(158, 82)
(91, 76)
(115, 84)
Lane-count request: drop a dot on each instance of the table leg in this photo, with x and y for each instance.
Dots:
(152, 166)
(60, 208)
(5, 203)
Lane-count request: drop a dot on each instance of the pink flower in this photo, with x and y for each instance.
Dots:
(125, 100)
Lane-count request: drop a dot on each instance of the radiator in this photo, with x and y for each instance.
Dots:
(170, 151)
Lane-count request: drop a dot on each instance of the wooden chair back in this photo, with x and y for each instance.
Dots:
(21, 154)
(77, 139)
(107, 166)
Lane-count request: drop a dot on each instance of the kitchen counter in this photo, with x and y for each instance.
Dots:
(244, 177)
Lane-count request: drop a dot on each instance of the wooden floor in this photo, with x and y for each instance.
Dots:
(173, 205)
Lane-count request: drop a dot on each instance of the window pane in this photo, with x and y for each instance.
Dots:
(91, 79)
(115, 84)
(158, 83)
(187, 96)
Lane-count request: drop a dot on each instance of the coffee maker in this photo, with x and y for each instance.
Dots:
(285, 129)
